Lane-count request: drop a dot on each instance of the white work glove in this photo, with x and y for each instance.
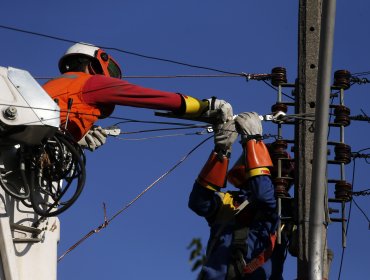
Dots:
(248, 124)
(225, 136)
(220, 109)
(94, 138)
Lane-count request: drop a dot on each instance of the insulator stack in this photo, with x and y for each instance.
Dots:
(343, 191)
(342, 79)
(282, 186)
(278, 76)
(283, 167)
(342, 117)
(278, 149)
(342, 153)
(278, 106)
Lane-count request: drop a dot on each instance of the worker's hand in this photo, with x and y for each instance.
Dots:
(219, 109)
(93, 139)
(225, 136)
(248, 124)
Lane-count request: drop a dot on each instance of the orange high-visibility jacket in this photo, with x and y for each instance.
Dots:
(95, 96)
(82, 116)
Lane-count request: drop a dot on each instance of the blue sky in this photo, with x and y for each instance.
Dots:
(149, 240)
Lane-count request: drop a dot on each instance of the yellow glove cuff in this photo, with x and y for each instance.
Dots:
(257, 172)
(194, 107)
(207, 186)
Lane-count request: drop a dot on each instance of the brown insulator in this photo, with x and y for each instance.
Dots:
(342, 79)
(342, 153)
(278, 76)
(278, 149)
(343, 191)
(282, 186)
(342, 115)
(277, 107)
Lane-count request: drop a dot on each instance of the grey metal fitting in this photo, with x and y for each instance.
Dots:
(10, 113)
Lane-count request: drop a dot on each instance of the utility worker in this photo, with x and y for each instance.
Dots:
(90, 86)
(243, 222)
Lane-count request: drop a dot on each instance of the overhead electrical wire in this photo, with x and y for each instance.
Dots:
(361, 73)
(348, 221)
(362, 211)
(248, 76)
(119, 212)
(173, 76)
(159, 136)
(161, 129)
(122, 120)
(350, 210)
(121, 51)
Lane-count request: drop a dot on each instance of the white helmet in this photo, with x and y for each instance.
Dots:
(98, 60)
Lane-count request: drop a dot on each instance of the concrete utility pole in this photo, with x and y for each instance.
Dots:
(317, 229)
(309, 26)
(315, 17)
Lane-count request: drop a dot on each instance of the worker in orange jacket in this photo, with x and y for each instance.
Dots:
(90, 86)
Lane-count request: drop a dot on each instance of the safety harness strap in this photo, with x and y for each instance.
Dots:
(238, 267)
(239, 249)
(261, 258)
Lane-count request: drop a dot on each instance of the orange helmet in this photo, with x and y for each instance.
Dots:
(99, 62)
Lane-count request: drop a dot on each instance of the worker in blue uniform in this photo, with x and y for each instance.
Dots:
(243, 222)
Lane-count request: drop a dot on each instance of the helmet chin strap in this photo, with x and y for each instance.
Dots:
(91, 69)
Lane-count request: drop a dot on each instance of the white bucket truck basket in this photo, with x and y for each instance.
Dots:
(27, 112)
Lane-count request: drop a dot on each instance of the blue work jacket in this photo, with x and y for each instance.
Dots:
(216, 206)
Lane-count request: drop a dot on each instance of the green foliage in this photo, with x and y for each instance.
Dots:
(197, 255)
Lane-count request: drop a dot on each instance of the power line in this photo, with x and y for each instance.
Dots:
(120, 50)
(248, 76)
(361, 73)
(362, 211)
(348, 220)
(119, 212)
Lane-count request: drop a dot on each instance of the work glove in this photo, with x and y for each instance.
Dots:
(256, 156)
(225, 135)
(249, 125)
(93, 139)
(219, 109)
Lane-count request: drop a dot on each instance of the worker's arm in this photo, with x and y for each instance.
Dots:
(102, 90)
(257, 159)
(204, 199)
(262, 191)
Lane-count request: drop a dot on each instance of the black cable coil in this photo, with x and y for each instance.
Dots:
(57, 175)
(48, 177)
